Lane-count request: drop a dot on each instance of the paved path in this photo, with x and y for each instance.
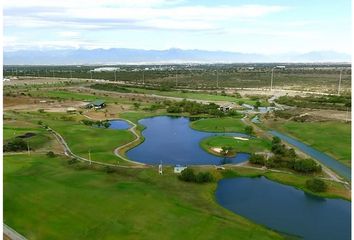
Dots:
(12, 234)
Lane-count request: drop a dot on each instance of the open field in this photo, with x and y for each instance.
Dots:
(219, 125)
(79, 203)
(330, 137)
(318, 77)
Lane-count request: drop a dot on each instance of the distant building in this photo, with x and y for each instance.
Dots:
(179, 168)
(226, 107)
(97, 104)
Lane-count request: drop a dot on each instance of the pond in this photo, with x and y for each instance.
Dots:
(172, 141)
(286, 209)
(328, 161)
(119, 124)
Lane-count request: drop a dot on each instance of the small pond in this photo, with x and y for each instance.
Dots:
(119, 124)
(172, 141)
(286, 209)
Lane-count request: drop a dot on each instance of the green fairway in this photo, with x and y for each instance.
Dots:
(333, 138)
(250, 146)
(45, 198)
(82, 139)
(219, 125)
(39, 140)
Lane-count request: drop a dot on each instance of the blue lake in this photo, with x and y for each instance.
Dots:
(328, 161)
(286, 209)
(172, 141)
(119, 124)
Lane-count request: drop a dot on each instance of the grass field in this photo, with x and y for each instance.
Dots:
(48, 199)
(251, 146)
(219, 125)
(81, 138)
(333, 138)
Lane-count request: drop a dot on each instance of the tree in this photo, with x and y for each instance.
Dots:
(225, 151)
(257, 105)
(204, 177)
(249, 130)
(50, 154)
(276, 140)
(306, 166)
(15, 145)
(187, 175)
(316, 185)
(137, 105)
(257, 159)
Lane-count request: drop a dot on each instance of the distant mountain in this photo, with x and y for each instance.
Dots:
(125, 56)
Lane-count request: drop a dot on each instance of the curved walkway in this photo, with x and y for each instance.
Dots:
(11, 233)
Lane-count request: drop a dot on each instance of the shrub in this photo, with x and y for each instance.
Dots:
(187, 175)
(306, 166)
(257, 159)
(109, 169)
(249, 130)
(15, 145)
(73, 161)
(316, 185)
(50, 154)
(204, 177)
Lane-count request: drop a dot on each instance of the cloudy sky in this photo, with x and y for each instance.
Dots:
(252, 26)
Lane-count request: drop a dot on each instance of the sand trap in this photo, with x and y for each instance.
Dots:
(241, 138)
(218, 150)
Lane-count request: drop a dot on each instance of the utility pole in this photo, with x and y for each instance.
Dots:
(217, 79)
(340, 81)
(53, 73)
(143, 77)
(71, 74)
(347, 115)
(38, 73)
(91, 74)
(89, 156)
(115, 75)
(271, 79)
(28, 148)
(176, 80)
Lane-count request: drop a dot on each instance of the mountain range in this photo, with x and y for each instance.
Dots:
(139, 56)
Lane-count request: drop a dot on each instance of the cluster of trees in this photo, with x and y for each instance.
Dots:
(285, 158)
(110, 87)
(323, 102)
(316, 185)
(104, 123)
(15, 145)
(188, 175)
(195, 108)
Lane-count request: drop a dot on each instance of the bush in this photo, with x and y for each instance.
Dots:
(73, 161)
(204, 177)
(257, 159)
(249, 130)
(187, 175)
(306, 166)
(15, 145)
(50, 154)
(109, 169)
(316, 185)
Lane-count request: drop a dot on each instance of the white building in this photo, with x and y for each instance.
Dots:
(179, 168)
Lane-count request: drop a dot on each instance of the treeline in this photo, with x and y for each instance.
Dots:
(110, 87)
(195, 108)
(322, 102)
(104, 123)
(284, 157)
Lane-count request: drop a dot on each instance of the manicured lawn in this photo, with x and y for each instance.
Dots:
(250, 146)
(219, 125)
(81, 138)
(49, 199)
(333, 138)
(40, 140)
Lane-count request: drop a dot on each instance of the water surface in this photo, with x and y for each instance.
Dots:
(286, 209)
(172, 141)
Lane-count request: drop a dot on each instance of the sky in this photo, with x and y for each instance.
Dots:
(252, 26)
